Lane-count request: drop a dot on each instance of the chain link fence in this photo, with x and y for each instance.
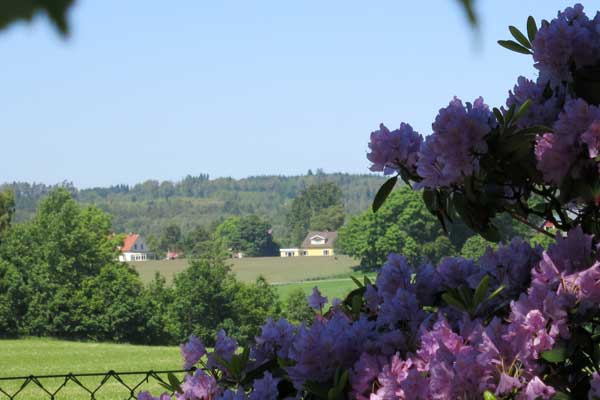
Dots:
(109, 385)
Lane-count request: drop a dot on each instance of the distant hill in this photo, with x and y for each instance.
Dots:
(198, 200)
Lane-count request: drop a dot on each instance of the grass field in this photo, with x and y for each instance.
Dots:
(34, 356)
(330, 288)
(274, 269)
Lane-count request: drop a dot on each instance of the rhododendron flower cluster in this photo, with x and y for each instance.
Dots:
(452, 150)
(521, 322)
(406, 345)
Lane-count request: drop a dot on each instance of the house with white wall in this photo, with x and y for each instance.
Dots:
(319, 243)
(134, 248)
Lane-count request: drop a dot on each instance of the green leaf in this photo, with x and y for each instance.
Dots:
(536, 129)
(531, 29)
(556, 355)
(356, 306)
(451, 300)
(499, 116)
(343, 380)
(495, 293)
(367, 281)
(490, 233)
(514, 46)
(596, 354)
(487, 395)
(383, 193)
(519, 36)
(548, 92)
(523, 109)
(430, 198)
(321, 390)
(561, 396)
(470, 11)
(56, 10)
(356, 281)
(509, 114)
(174, 382)
(481, 290)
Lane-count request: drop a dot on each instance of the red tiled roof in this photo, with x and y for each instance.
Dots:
(128, 242)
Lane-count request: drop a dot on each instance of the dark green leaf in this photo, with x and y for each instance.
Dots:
(321, 390)
(383, 193)
(367, 281)
(499, 116)
(556, 355)
(356, 306)
(548, 92)
(531, 29)
(514, 46)
(174, 382)
(536, 129)
(561, 396)
(453, 301)
(522, 110)
(509, 114)
(519, 36)
(495, 293)
(470, 11)
(481, 290)
(15, 10)
(490, 233)
(356, 281)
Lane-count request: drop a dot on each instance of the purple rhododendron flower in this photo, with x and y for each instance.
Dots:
(591, 137)
(274, 340)
(570, 39)
(225, 348)
(199, 386)
(452, 151)
(594, 393)
(364, 373)
(318, 350)
(537, 390)
(543, 111)
(231, 395)
(265, 388)
(315, 300)
(558, 153)
(192, 352)
(456, 271)
(148, 396)
(392, 151)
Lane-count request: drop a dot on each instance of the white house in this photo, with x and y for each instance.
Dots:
(315, 244)
(135, 249)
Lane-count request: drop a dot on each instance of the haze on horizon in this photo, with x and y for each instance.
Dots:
(238, 89)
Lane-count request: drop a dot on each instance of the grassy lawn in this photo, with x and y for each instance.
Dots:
(274, 269)
(331, 288)
(35, 356)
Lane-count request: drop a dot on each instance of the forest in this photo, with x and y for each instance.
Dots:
(151, 206)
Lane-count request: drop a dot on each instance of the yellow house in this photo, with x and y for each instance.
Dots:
(315, 244)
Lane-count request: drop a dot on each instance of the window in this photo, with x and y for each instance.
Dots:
(135, 246)
(325, 252)
(304, 252)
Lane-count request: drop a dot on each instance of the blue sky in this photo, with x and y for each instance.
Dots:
(142, 90)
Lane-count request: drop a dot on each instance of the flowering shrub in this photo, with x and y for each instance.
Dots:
(519, 323)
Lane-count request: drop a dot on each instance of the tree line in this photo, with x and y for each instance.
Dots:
(149, 207)
(59, 277)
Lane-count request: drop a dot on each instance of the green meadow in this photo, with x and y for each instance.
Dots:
(35, 356)
(275, 269)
